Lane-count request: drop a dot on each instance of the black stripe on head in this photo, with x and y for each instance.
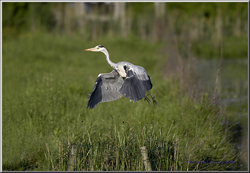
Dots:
(100, 46)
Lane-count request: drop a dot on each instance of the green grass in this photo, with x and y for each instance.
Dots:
(46, 81)
(234, 47)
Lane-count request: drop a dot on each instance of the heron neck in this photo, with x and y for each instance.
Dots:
(108, 60)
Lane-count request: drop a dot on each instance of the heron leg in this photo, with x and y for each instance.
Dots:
(154, 101)
(147, 99)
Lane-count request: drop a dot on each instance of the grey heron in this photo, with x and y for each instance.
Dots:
(125, 79)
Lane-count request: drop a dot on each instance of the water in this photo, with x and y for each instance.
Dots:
(232, 88)
(232, 83)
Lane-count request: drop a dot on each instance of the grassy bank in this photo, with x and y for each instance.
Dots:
(46, 79)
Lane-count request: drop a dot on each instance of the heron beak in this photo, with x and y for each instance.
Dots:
(90, 49)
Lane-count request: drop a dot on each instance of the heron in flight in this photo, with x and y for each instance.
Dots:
(125, 79)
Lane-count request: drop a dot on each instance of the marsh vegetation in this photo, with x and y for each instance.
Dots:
(47, 76)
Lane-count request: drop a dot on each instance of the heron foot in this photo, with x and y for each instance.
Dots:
(147, 99)
(154, 101)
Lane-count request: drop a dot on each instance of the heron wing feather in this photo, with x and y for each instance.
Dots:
(106, 89)
(137, 83)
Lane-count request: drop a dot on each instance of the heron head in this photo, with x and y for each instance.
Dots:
(98, 48)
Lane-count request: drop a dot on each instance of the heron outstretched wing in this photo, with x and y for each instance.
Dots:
(106, 89)
(137, 82)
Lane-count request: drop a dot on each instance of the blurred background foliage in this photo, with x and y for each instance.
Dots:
(202, 24)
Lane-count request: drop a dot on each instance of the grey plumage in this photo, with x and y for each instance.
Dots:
(107, 87)
(125, 79)
(137, 83)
